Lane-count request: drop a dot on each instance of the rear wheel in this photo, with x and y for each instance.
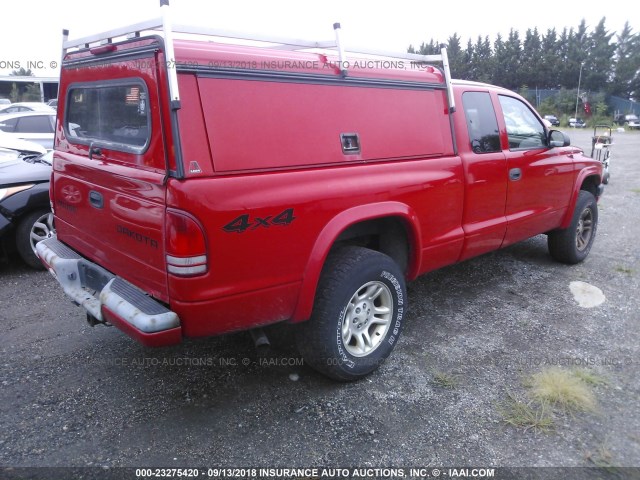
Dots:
(33, 228)
(358, 314)
(572, 245)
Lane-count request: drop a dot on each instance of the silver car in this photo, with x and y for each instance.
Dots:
(577, 123)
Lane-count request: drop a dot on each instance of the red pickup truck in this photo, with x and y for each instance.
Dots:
(201, 188)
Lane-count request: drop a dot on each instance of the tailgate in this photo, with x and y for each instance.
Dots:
(110, 165)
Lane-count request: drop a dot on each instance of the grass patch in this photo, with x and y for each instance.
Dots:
(628, 271)
(588, 377)
(635, 190)
(527, 415)
(547, 392)
(601, 457)
(561, 388)
(445, 380)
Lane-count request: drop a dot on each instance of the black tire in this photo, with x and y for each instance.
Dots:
(573, 244)
(33, 227)
(358, 314)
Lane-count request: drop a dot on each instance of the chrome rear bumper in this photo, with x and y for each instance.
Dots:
(109, 298)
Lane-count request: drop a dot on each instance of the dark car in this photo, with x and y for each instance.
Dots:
(629, 120)
(553, 120)
(25, 212)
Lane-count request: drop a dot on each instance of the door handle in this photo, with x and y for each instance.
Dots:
(515, 174)
(95, 199)
(97, 151)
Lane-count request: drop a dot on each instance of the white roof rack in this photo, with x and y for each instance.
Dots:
(163, 24)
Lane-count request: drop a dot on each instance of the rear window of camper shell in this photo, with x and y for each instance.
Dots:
(113, 115)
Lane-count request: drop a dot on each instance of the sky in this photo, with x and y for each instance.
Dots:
(32, 39)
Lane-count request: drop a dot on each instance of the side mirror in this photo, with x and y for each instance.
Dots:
(558, 139)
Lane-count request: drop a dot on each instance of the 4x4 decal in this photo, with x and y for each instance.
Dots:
(244, 222)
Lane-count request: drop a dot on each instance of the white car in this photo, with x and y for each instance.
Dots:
(25, 107)
(577, 123)
(12, 148)
(35, 127)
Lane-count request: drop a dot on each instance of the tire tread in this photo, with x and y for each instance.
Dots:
(561, 243)
(310, 337)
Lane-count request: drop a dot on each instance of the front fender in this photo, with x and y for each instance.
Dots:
(36, 197)
(330, 233)
(590, 171)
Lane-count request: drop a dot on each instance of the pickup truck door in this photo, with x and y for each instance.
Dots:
(485, 169)
(539, 178)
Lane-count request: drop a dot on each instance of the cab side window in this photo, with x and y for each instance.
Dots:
(524, 130)
(481, 122)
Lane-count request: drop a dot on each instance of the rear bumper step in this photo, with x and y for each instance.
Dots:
(115, 301)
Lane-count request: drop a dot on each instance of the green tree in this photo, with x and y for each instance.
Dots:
(31, 93)
(565, 38)
(431, 48)
(482, 60)
(469, 68)
(550, 60)
(627, 59)
(600, 59)
(456, 57)
(14, 96)
(21, 72)
(508, 63)
(19, 90)
(531, 59)
(575, 52)
(498, 56)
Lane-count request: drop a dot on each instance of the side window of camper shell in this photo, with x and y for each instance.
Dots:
(113, 114)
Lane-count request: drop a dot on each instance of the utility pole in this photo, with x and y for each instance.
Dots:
(578, 95)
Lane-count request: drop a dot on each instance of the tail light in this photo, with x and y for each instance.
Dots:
(186, 250)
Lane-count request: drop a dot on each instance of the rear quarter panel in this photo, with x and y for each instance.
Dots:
(249, 264)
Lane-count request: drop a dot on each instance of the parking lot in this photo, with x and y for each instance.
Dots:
(73, 395)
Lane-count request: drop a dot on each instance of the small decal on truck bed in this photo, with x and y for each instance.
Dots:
(245, 222)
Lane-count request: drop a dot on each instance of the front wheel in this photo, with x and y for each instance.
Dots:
(33, 228)
(572, 245)
(358, 314)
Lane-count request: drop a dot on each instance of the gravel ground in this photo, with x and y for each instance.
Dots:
(73, 395)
